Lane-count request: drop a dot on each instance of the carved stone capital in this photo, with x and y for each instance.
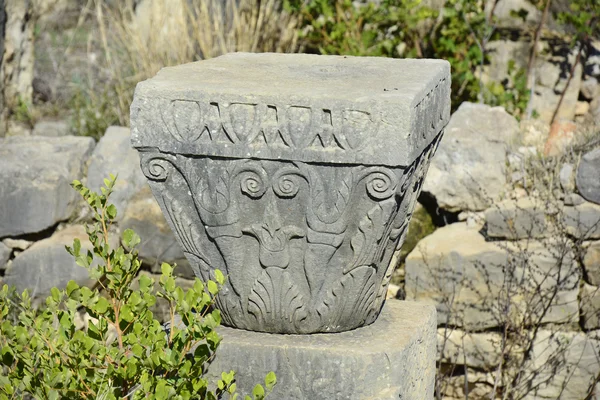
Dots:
(295, 175)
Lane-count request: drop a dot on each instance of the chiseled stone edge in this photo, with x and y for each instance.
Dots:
(398, 128)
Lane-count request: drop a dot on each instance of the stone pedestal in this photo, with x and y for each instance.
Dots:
(393, 358)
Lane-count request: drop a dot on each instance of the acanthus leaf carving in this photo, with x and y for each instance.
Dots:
(352, 297)
(275, 300)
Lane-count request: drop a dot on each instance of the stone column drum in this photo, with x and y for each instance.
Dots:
(295, 175)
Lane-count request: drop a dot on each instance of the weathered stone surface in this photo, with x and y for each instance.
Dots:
(51, 128)
(552, 75)
(517, 219)
(394, 358)
(504, 11)
(293, 174)
(573, 199)
(472, 385)
(158, 244)
(114, 155)
(566, 177)
(590, 306)
(301, 107)
(5, 253)
(590, 88)
(47, 264)
(19, 244)
(564, 365)
(591, 262)
(477, 350)
(35, 173)
(588, 176)
(582, 221)
(471, 281)
(467, 172)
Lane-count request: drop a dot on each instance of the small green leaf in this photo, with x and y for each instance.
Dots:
(212, 287)
(101, 305)
(270, 380)
(219, 277)
(71, 287)
(111, 210)
(258, 392)
(166, 269)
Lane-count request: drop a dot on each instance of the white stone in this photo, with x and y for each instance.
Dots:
(517, 219)
(563, 365)
(477, 350)
(468, 279)
(468, 170)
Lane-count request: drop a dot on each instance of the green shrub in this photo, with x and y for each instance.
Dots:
(123, 352)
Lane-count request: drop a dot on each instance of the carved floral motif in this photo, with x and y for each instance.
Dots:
(306, 246)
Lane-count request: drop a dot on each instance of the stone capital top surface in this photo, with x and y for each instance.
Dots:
(330, 109)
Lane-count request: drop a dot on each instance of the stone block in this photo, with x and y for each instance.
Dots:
(394, 358)
(294, 174)
(582, 221)
(468, 170)
(114, 155)
(476, 350)
(517, 219)
(47, 264)
(35, 177)
(590, 306)
(563, 365)
(591, 262)
(588, 171)
(471, 281)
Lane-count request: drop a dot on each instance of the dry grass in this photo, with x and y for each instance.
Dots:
(138, 42)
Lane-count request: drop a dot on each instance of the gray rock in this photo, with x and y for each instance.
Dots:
(517, 219)
(591, 262)
(114, 155)
(573, 199)
(158, 243)
(590, 88)
(468, 171)
(19, 244)
(564, 365)
(35, 174)
(566, 177)
(590, 306)
(5, 253)
(504, 12)
(473, 384)
(47, 264)
(477, 350)
(394, 358)
(51, 128)
(582, 221)
(294, 174)
(588, 176)
(468, 278)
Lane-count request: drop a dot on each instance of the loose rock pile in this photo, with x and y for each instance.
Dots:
(516, 278)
